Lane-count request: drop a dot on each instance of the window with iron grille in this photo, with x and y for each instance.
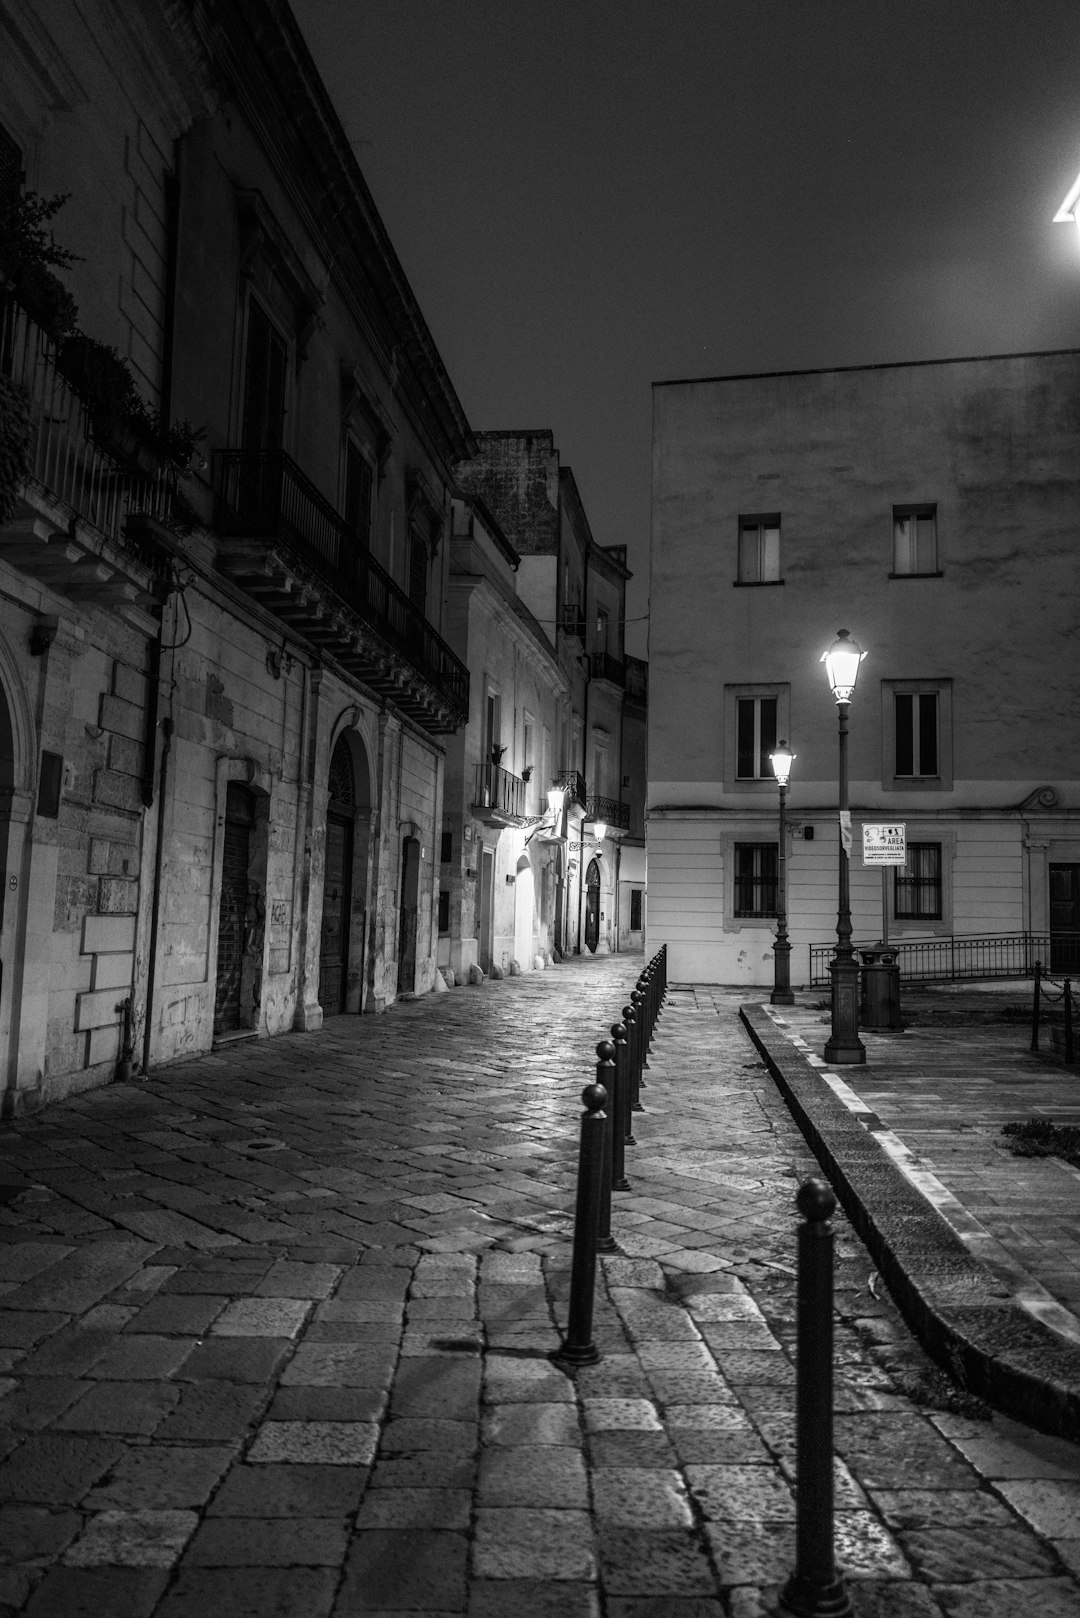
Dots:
(755, 879)
(917, 885)
(759, 549)
(755, 737)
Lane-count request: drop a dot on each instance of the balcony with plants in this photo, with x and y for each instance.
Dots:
(86, 468)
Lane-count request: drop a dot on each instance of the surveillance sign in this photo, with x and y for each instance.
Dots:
(884, 845)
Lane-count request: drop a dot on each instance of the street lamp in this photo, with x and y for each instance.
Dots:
(1069, 212)
(782, 760)
(844, 1045)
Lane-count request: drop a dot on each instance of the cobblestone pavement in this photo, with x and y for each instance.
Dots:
(274, 1331)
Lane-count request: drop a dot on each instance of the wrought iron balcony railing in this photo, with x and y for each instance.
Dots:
(497, 789)
(573, 783)
(604, 667)
(71, 468)
(610, 811)
(262, 495)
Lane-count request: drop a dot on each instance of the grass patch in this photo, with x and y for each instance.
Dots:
(934, 1390)
(1040, 1138)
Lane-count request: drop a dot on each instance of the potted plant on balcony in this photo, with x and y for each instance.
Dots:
(497, 753)
(120, 420)
(29, 253)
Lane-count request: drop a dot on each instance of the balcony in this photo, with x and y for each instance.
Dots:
(498, 797)
(283, 543)
(604, 667)
(615, 815)
(76, 528)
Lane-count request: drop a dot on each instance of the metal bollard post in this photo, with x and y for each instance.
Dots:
(605, 1078)
(1035, 1007)
(637, 1000)
(629, 1017)
(620, 1111)
(815, 1589)
(577, 1347)
(1068, 1021)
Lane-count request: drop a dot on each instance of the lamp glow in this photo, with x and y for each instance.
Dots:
(1069, 212)
(782, 760)
(842, 664)
(600, 830)
(555, 799)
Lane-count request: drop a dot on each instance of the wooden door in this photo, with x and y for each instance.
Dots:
(337, 889)
(410, 906)
(232, 912)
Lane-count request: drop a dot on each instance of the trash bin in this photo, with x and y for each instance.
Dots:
(880, 1004)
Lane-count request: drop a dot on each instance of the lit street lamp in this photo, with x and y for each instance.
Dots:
(782, 760)
(844, 1045)
(1069, 212)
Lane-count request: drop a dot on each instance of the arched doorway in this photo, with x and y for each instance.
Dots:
(337, 882)
(592, 905)
(524, 904)
(410, 905)
(236, 909)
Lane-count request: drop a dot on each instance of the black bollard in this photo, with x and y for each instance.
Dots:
(605, 1078)
(629, 1017)
(815, 1589)
(577, 1346)
(1035, 1007)
(640, 1012)
(620, 1111)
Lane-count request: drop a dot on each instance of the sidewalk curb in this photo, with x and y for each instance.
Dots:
(990, 1345)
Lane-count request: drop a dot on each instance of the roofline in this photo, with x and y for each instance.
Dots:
(888, 365)
(491, 524)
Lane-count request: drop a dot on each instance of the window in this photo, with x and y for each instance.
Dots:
(444, 911)
(358, 487)
(916, 720)
(917, 885)
(527, 742)
(418, 571)
(755, 879)
(635, 910)
(265, 379)
(914, 541)
(759, 549)
(755, 737)
(916, 727)
(601, 630)
(446, 847)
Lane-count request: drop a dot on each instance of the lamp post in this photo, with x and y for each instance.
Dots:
(782, 760)
(844, 1045)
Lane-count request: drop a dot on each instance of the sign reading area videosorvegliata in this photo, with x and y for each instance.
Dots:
(884, 845)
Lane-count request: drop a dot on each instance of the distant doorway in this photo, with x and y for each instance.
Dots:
(337, 883)
(592, 906)
(233, 909)
(484, 945)
(524, 906)
(1065, 918)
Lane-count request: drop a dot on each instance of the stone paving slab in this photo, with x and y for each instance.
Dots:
(334, 1394)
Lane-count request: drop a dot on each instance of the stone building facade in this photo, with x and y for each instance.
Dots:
(575, 590)
(225, 689)
(931, 510)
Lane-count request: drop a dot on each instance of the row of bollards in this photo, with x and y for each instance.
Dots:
(606, 1132)
(815, 1588)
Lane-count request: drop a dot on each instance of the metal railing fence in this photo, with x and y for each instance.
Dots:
(965, 955)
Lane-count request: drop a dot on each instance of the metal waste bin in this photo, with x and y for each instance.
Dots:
(879, 1007)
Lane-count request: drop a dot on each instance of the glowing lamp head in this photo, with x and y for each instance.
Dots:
(1069, 212)
(555, 798)
(600, 830)
(782, 760)
(842, 665)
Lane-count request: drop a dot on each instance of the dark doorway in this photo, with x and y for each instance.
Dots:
(484, 939)
(337, 882)
(1065, 918)
(592, 906)
(232, 915)
(409, 901)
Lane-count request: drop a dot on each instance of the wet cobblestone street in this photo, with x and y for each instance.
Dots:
(274, 1330)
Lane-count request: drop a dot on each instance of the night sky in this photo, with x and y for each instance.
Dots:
(591, 195)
